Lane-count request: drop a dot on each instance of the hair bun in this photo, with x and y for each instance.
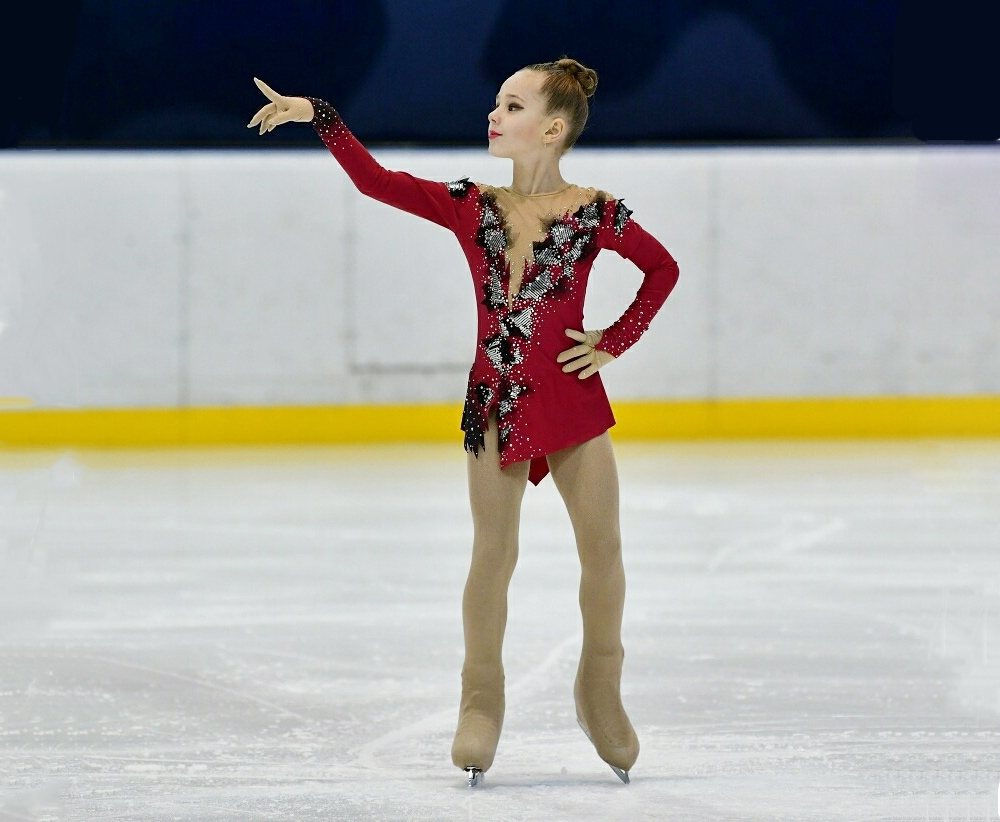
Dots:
(586, 77)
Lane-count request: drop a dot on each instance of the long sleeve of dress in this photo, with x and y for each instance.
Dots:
(626, 237)
(432, 200)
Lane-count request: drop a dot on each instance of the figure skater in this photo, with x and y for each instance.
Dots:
(531, 404)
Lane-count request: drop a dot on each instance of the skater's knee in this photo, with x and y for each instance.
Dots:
(497, 522)
(600, 553)
(495, 556)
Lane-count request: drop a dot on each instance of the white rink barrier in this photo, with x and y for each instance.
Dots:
(137, 279)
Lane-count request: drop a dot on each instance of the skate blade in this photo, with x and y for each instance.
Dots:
(622, 775)
(475, 776)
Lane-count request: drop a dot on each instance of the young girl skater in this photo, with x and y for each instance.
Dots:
(532, 405)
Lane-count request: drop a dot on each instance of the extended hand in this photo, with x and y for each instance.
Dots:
(281, 109)
(586, 354)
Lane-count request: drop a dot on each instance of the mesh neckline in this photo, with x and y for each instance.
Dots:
(513, 190)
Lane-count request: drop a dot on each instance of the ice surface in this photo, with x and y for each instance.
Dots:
(812, 631)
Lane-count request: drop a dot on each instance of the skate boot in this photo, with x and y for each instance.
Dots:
(600, 713)
(480, 720)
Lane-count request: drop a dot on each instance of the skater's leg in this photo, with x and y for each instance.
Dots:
(495, 498)
(587, 479)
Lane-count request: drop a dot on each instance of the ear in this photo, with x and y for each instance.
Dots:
(555, 130)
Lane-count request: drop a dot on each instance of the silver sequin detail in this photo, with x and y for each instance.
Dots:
(622, 213)
(458, 188)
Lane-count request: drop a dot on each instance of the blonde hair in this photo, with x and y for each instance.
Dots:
(565, 90)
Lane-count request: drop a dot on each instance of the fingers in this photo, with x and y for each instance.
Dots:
(268, 91)
(269, 117)
(575, 351)
(583, 356)
(260, 115)
(590, 337)
(578, 363)
(272, 121)
(597, 360)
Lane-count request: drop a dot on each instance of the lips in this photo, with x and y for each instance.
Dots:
(494, 134)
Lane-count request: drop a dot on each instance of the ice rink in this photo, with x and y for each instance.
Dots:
(812, 632)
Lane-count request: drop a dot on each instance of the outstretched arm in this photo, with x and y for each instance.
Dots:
(625, 236)
(432, 200)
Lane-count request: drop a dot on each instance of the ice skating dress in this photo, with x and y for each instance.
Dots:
(551, 241)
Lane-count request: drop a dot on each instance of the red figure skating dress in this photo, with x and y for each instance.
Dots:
(551, 240)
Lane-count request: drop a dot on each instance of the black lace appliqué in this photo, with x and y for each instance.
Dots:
(503, 349)
(492, 237)
(477, 400)
(622, 213)
(568, 238)
(458, 188)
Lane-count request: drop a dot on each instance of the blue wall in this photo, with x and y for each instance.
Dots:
(156, 73)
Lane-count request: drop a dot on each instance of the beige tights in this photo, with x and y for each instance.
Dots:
(587, 480)
(495, 497)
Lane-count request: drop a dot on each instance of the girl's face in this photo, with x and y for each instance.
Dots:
(518, 125)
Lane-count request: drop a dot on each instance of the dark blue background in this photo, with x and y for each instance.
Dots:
(154, 73)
